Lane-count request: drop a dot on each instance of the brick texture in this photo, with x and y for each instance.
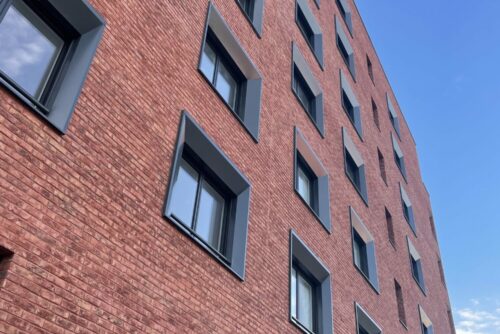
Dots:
(83, 212)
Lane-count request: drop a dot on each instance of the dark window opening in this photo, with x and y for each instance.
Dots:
(5, 258)
(352, 170)
(399, 162)
(343, 51)
(400, 301)
(360, 253)
(304, 298)
(390, 228)
(381, 163)
(361, 330)
(304, 93)
(341, 10)
(248, 6)
(306, 182)
(406, 211)
(441, 271)
(305, 27)
(433, 227)
(375, 114)
(370, 68)
(348, 107)
(222, 72)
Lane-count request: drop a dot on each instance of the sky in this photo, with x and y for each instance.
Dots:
(442, 58)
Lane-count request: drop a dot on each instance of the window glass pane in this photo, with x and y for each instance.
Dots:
(29, 48)
(293, 294)
(226, 85)
(210, 215)
(304, 185)
(352, 169)
(247, 7)
(184, 193)
(357, 250)
(305, 27)
(343, 50)
(208, 59)
(348, 106)
(305, 308)
(362, 330)
(414, 268)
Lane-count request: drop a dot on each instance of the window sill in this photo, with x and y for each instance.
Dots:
(353, 125)
(259, 34)
(411, 227)
(309, 115)
(403, 324)
(418, 283)
(367, 279)
(297, 324)
(356, 187)
(313, 212)
(320, 63)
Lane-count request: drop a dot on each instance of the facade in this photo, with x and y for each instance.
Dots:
(224, 166)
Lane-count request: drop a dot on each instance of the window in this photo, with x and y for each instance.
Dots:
(311, 180)
(390, 228)
(310, 29)
(230, 72)
(310, 290)
(425, 322)
(354, 166)
(393, 116)
(370, 68)
(345, 12)
(64, 37)
(375, 114)
(307, 90)
(254, 10)
(408, 210)
(364, 323)
(363, 245)
(401, 304)
(345, 48)
(399, 157)
(416, 265)
(381, 164)
(5, 258)
(350, 104)
(441, 271)
(433, 226)
(208, 198)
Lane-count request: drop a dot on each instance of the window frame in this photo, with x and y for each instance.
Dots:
(416, 265)
(364, 320)
(346, 14)
(81, 28)
(399, 158)
(382, 167)
(255, 18)
(345, 48)
(300, 84)
(407, 208)
(310, 30)
(376, 117)
(6, 256)
(346, 92)
(400, 304)
(393, 116)
(425, 321)
(369, 66)
(390, 228)
(300, 271)
(351, 150)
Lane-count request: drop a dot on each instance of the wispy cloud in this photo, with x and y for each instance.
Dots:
(477, 319)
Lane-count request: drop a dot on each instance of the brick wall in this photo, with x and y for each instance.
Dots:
(83, 212)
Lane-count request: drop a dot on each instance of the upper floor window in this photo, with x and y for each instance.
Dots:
(399, 156)
(345, 48)
(390, 228)
(303, 299)
(305, 181)
(310, 29)
(345, 12)
(5, 258)
(46, 52)
(400, 302)
(425, 322)
(350, 104)
(381, 164)
(247, 6)
(364, 323)
(304, 93)
(354, 166)
(370, 68)
(408, 209)
(254, 10)
(393, 116)
(416, 265)
(375, 114)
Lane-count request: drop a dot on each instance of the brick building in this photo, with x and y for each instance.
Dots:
(224, 166)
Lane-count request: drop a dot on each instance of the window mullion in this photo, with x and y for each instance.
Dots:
(216, 70)
(197, 202)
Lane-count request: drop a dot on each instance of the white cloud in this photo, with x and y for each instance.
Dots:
(477, 319)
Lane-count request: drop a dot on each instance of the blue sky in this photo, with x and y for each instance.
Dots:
(442, 59)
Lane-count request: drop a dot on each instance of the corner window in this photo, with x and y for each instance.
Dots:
(311, 180)
(307, 90)
(381, 165)
(345, 48)
(400, 302)
(350, 104)
(416, 265)
(408, 210)
(390, 228)
(393, 116)
(208, 198)
(254, 12)
(364, 323)
(5, 258)
(376, 119)
(46, 52)
(363, 245)
(310, 29)
(425, 322)
(370, 68)
(310, 290)
(354, 166)
(230, 72)
(345, 12)
(399, 157)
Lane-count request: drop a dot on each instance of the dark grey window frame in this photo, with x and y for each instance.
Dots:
(364, 320)
(416, 265)
(321, 193)
(301, 255)
(407, 208)
(345, 46)
(256, 17)
(300, 65)
(399, 158)
(310, 29)
(192, 137)
(369, 66)
(393, 116)
(85, 28)
(346, 14)
(425, 322)
(400, 301)
(6, 256)
(346, 92)
(351, 150)
(390, 228)
(382, 167)
(368, 258)
(376, 117)
(249, 103)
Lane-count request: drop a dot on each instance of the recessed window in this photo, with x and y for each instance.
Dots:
(307, 90)
(310, 29)
(451, 322)
(407, 209)
(230, 72)
(5, 258)
(354, 166)
(400, 302)
(363, 245)
(310, 290)
(364, 323)
(398, 156)
(46, 52)
(375, 114)
(433, 226)
(208, 197)
(393, 116)
(311, 180)
(345, 48)
(390, 228)
(350, 104)
(441, 271)
(425, 322)
(254, 10)
(370, 68)
(381, 165)
(416, 265)
(345, 12)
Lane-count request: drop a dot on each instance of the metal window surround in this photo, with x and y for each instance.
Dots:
(400, 155)
(256, 17)
(419, 275)
(365, 321)
(406, 201)
(342, 38)
(350, 148)
(394, 115)
(317, 47)
(348, 14)
(425, 321)
(346, 87)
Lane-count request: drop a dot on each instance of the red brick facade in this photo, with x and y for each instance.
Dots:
(82, 212)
